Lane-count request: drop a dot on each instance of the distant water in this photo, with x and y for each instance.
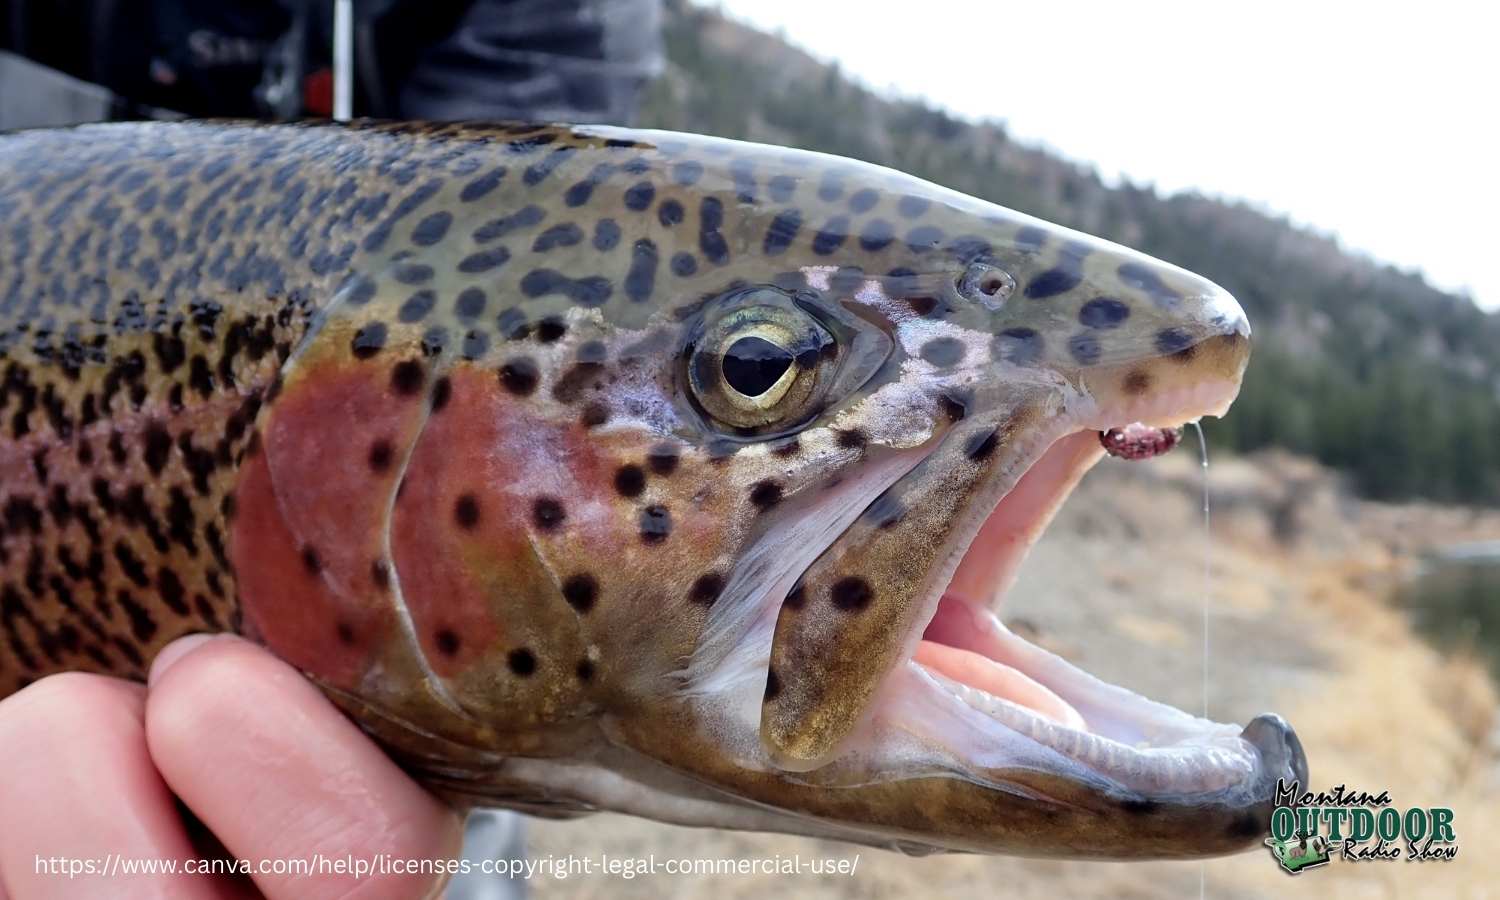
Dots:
(1477, 553)
(1455, 599)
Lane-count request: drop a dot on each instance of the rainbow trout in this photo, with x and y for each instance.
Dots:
(589, 468)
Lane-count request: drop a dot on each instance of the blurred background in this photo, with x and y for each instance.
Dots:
(1333, 167)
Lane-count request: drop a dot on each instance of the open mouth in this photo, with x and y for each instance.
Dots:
(1010, 691)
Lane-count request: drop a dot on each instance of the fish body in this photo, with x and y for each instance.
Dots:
(589, 468)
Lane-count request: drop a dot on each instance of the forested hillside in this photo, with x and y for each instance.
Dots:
(1360, 365)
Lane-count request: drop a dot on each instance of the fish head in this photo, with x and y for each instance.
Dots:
(739, 492)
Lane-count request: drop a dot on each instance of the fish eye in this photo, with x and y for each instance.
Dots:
(753, 366)
(758, 367)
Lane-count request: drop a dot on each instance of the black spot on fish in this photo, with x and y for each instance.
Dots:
(781, 188)
(1030, 237)
(566, 234)
(447, 641)
(687, 172)
(630, 480)
(832, 236)
(1143, 278)
(156, 447)
(522, 662)
(877, 235)
(796, 598)
(417, 306)
(594, 415)
(773, 685)
(470, 304)
(520, 376)
(475, 344)
(412, 273)
(710, 217)
(663, 460)
(669, 213)
(640, 281)
(638, 196)
(655, 524)
(1171, 341)
(380, 457)
(852, 439)
(851, 594)
(431, 229)
(782, 232)
(169, 589)
(170, 352)
(924, 238)
(407, 377)
(707, 589)
(548, 514)
(538, 171)
(765, 494)
(943, 352)
(585, 670)
(482, 185)
(606, 235)
(550, 329)
(380, 574)
(1053, 282)
(911, 207)
(1103, 312)
(310, 560)
(523, 218)
(579, 193)
(368, 340)
(466, 512)
(512, 324)
(359, 291)
(484, 260)
(863, 200)
(1085, 348)
(684, 264)
(581, 592)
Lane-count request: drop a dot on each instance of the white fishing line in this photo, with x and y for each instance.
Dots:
(1208, 547)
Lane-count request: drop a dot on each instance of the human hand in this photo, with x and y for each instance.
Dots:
(91, 766)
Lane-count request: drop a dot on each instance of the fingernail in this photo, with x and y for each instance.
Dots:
(171, 654)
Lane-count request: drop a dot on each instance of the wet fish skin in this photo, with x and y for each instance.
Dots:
(436, 413)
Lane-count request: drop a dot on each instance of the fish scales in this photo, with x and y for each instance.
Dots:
(587, 467)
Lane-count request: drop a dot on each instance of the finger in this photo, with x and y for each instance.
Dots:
(278, 773)
(79, 790)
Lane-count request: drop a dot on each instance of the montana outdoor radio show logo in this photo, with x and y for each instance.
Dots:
(1308, 830)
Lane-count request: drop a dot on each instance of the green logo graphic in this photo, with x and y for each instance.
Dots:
(1309, 830)
(1300, 853)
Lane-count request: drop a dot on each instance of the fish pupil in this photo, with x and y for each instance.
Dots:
(753, 364)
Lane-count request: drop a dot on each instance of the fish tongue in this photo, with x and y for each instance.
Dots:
(999, 680)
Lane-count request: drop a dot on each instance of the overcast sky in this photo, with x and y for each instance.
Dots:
(1377, 122)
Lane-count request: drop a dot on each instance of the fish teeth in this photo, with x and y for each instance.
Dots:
(1184, 767)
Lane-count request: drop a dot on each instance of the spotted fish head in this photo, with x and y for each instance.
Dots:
(714, 463)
